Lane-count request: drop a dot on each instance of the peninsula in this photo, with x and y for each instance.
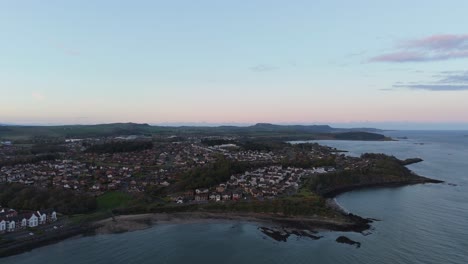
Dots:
(122, 177)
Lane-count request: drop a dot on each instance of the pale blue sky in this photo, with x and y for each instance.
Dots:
(234, 61)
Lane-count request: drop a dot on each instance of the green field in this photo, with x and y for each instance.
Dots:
(112, 200)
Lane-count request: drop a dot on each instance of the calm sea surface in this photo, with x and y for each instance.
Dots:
(419, 224)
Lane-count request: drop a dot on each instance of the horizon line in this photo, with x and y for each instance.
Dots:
(386, 126)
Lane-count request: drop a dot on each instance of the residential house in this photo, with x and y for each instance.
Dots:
(11, 225)
(201, 197)
(33, 220)
(3, 224)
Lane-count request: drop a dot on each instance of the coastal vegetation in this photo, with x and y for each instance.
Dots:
(212, 174)
(26, 197)
(113, 199)
(304, 203)
(380, 170)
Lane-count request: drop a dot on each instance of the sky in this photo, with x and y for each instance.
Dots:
(389, 64)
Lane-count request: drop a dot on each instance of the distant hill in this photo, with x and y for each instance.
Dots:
(296, 128)
(265, 130)
(359, 136)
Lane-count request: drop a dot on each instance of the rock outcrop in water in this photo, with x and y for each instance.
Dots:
(345, 240)
(282, 234)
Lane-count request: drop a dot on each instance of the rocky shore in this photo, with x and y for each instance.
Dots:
(125, 223)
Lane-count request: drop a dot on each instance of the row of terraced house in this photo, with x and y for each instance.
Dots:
(12, 220)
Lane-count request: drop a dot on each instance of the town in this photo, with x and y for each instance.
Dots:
(168, 170)
(54, 187)
(159, 166)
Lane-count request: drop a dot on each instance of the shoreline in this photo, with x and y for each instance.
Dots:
(337, 191)
(128, 223)
(283, 225)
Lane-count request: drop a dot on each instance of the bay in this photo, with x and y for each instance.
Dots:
(418, 224)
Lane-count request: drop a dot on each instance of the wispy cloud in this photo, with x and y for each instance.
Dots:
(446, 81)
(263, 68)
(433, 87)
(439, 42)
(432, 48)
(454, 77)
(402, 56)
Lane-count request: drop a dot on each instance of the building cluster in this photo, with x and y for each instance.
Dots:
(178, 154)
(161, 165)
(253, 156)
(264, 183)
(128, 171)
(84, 177)
(12, 220)
(5, 143)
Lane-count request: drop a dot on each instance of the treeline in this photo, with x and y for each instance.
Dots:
(303, 161)
(215, 142)
(381, 169)
(285, 206)
(47, 148)
(27, 159)
(263, 145)
(213, 174)
(290, 206)
(120, 146)
(23, 197)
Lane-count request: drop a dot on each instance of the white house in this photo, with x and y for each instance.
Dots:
(33, 220)
(42, 217)
(24, 222)
(12, 222)
(11, 225)
(53, 216)
(2, 225)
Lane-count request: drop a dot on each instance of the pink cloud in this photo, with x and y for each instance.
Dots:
(439, 42)
(403, 56)
(432, 48)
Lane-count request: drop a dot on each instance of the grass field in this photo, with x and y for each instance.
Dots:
(112, 200)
